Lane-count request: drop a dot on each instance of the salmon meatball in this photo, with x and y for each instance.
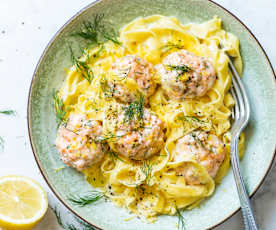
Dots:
(136, 68)
(139, 133)
(75, 142)
(184, 75)
(207, 149)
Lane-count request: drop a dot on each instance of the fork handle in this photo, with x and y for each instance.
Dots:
(247, 211)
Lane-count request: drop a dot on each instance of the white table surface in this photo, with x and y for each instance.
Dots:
(26, 26)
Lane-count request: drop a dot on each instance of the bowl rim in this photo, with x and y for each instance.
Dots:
(48, 46)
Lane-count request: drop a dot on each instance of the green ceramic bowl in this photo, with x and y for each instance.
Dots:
(259, 81)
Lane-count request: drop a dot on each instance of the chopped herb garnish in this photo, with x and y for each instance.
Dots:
(181, 69)
(181, 220)
(196, 138)
(205, 64)
(107, 137)
(99, 51)
(169, 46)
(107, 89)
(114, 156)
(61, 111)
(192, 119)
(82, 67)
(190, 123)
(60, 168)
(86, 199)
(124, 74)
(8, 112)
(147, 170)
(135, 109)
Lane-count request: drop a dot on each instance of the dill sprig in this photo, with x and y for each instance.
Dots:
(114, 156)
(96, 32)
(8, 112)
(190, 118)
(90, 30)
(108, 136)
(135, 108)
(89, 198)
(71, 227)
(110, 35)
(107, 89)
(99, 51)
(193, 120)
(169, 46)
(181, 69)
(60, 168)
(83, 225)
(59, 220)
(147, 170)
(196, 138)
(123, 75)
(2, 144)
(61, 111)
(82, 67)
(181, 220)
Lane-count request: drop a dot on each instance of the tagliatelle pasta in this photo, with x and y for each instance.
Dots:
(158, 183)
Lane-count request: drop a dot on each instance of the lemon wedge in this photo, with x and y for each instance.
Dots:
(22, 203)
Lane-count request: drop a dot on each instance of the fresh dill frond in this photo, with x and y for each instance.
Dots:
(194, 120)
(61, 111)
(114, 156)
(99, 51)
(60, 168)
(8, 112)
(96, 32)
(181, 220)
(110, 35)
(71, 227)
(107, 89)
(2, 144)
(189, 118)
(169, 46)
(90, 30)
(135, 109)
(196, 138)
(82, 67)
(108, 136)
(82, 224)
(123, 75)
(82, 200)
(181, 69)
(59, 220)
(192, 123)
(147, 170)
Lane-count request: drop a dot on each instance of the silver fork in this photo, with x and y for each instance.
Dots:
(241, 118)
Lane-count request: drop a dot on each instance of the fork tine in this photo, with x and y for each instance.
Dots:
(239, 95)
(237, 79)
(236, 114)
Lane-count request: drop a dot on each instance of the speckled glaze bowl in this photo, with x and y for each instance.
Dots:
(259, 81)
